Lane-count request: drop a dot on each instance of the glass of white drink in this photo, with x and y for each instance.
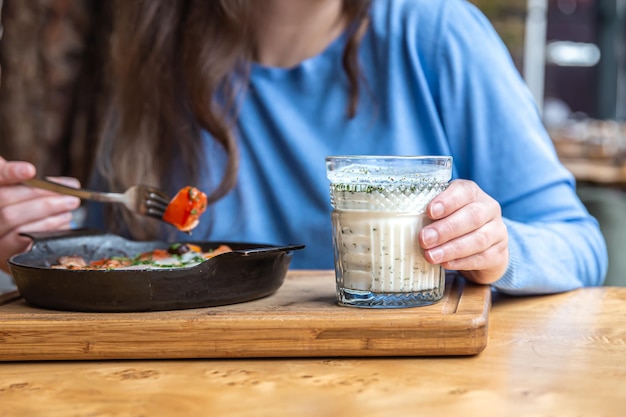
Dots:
(379, 205)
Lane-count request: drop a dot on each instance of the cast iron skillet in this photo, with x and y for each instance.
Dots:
(251, 271)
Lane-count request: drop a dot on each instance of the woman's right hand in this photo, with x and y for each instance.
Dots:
(26, 209)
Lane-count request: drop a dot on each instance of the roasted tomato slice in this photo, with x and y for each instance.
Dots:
(185, 209)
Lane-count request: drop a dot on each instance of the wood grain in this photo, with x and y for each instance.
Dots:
(560, 355)
(301, 319)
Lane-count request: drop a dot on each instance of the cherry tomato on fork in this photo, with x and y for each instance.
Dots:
(185, 209)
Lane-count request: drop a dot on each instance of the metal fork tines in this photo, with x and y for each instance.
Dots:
(152, 202)
(141, 199)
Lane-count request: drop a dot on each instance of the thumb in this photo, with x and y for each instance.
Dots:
(14, 172)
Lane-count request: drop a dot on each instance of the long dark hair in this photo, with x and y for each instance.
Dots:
(176, 69)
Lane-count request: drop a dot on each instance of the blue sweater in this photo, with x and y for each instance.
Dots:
(437, 81)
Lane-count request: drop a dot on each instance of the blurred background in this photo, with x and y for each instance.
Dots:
(570, 52)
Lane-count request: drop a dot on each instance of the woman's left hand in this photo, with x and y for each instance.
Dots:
(467, 233)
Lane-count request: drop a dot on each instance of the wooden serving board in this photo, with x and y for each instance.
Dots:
(302, 319)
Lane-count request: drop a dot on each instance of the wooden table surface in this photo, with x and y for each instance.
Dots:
(557, 355)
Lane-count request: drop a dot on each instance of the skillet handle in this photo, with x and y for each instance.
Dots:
(287, 248)
(61, 234)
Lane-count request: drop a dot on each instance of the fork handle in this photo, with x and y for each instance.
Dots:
(76, 192)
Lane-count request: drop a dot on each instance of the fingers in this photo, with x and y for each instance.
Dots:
(461, 209)
(56, 222)
(482, 251)
(69, 181)
(458, 248)
(35, 211)
(485, 267)
(15, 171)
(458, 195)
(467, 232)
(12, 243)
(28, 209)
(21, 205)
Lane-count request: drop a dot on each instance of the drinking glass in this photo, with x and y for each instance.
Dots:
(379, 205)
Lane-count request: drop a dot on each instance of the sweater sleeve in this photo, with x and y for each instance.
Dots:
(499, 141)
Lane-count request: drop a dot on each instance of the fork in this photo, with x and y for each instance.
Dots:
(141, 199)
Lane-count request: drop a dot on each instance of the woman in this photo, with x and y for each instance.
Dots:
(263, 91)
